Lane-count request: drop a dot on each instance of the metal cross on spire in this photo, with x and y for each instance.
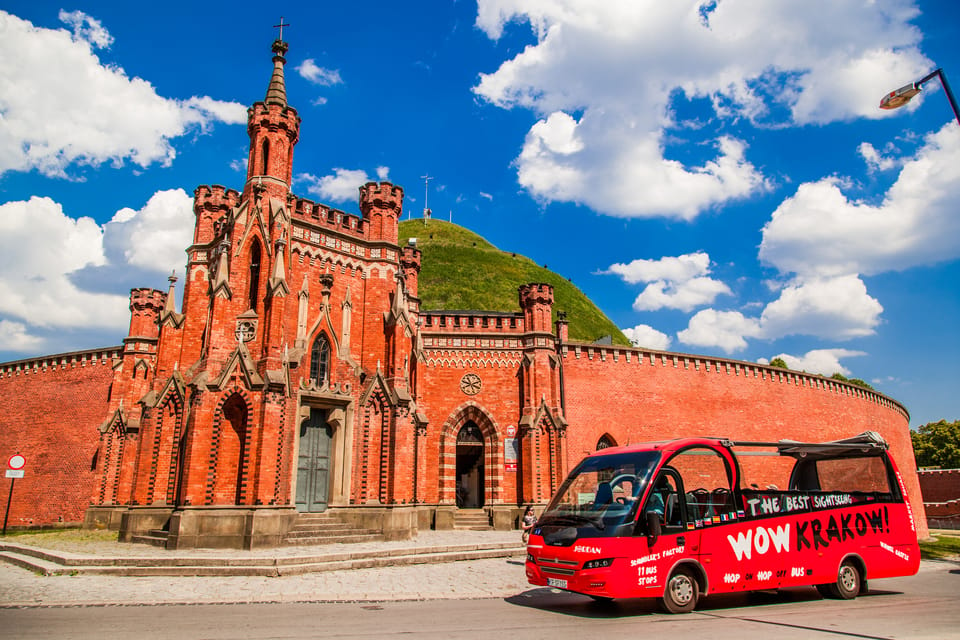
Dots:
(281, 26)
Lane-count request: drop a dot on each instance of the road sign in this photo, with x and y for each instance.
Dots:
(511, 431)
(16, 461)
(14, 473)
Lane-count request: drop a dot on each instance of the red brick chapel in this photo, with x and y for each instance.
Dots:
(301, 376)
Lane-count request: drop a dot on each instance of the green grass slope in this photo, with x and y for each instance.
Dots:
(461, 271)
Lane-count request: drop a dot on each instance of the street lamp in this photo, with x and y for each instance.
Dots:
(902, 95)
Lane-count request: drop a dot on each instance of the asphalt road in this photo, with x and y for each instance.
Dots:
(921, 606)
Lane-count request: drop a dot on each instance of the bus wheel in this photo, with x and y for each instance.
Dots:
(847, 585)
(681, 593)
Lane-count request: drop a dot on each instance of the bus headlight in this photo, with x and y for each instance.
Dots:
(598, 564)
(531, 559)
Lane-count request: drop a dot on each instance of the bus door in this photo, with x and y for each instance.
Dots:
(707, 478)
(673, 538)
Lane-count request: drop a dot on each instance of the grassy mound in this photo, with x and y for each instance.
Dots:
(463, 272)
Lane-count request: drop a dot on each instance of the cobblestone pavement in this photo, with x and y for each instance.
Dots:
(492, 578)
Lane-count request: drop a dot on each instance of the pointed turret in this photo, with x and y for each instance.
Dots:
(274, 128)
(277, 91)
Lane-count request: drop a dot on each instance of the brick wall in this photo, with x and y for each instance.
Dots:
(939, 485)
(50, 411)
(941, 497)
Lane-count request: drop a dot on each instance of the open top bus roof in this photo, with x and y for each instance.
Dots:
(866, 442)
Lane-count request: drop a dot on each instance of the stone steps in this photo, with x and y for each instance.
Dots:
(324, 528)
(154, 538)
(50, 563)
(472, 520)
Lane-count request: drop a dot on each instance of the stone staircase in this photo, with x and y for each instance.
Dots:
(154, 537)
(325, 528)
(472, 519)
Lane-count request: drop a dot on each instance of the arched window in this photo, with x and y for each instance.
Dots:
(605, 441)
(265, 156)
(254, 273)
(320, 359)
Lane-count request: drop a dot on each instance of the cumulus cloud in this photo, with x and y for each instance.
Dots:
(602, 78)
(837, 308)
(14, 336)
(40, 247)
(875, 161)
(821, 232)
(61, 274)
(155, 237)
(643, 335)
(61, 106)
(309, 71)
(834, 308)
(823, 361)
(679, 282)
(725, 330)
(341, 186)
(824, 242)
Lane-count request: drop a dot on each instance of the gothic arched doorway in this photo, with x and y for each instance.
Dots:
(313, 463)
(470, 471)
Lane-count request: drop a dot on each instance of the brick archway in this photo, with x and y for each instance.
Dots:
(493, 453)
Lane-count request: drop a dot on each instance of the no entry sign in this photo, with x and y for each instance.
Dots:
(16, 461)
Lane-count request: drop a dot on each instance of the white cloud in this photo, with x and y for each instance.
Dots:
(725, 330)
(644, 335)
(837, 308)
(155, 237)
(674, 282)
(86, 28)
(40, 247)
(309, 71)
(62, 106)
(15, 337)
(486, 196)
(601, 77)
(342, 186)
(823, 361)
(820, 232)
(876, 162)
(675, 269)
(59, 273)
(383, 173)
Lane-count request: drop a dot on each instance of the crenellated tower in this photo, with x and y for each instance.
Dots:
(381, 205)
(274, 129)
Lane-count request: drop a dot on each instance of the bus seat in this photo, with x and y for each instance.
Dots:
(604, 494)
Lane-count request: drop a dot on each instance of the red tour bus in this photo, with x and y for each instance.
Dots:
(682, 519)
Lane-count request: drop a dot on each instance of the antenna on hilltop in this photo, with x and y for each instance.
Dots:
(426, 195)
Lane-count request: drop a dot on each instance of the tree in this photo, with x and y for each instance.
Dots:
(779, 362)
(937, 444)
(854, 381)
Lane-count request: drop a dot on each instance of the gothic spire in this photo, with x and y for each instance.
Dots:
(277, 91)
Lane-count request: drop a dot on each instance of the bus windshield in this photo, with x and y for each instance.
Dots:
(600, 497)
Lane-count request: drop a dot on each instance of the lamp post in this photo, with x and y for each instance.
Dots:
(902, 95)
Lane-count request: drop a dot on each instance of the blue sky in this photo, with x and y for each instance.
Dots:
(716, 176)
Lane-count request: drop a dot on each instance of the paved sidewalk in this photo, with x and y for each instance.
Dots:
(419, 579)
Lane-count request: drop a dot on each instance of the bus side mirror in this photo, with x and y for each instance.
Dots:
(653, 527)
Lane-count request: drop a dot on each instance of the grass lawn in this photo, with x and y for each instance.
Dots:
(942, 546)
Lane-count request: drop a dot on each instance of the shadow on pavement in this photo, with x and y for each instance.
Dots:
(574, 604)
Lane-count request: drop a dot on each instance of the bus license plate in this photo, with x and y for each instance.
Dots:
(557, 582)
